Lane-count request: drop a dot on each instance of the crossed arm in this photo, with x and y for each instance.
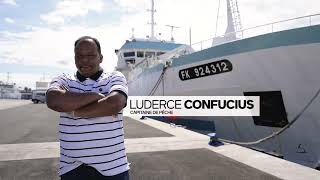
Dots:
(89, 104)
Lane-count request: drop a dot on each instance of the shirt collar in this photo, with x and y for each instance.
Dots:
(94, 77)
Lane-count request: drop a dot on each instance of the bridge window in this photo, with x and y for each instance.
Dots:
(130, 61)
(140, 54)
(129, 54)
(160, 53)
(150, 54)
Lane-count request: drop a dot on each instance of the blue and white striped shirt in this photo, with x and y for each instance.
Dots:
(97, 142)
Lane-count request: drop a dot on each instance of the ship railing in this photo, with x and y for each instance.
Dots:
(145, 63)
(302, 21)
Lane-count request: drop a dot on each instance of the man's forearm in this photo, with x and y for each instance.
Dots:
(65, 101)
(110, 105)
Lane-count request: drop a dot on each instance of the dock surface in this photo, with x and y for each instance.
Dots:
(29, 149)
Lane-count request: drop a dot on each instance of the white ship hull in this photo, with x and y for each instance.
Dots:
(287, 62)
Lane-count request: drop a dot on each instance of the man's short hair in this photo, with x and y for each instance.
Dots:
(88, 37)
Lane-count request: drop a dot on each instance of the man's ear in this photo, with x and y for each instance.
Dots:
(101, 58)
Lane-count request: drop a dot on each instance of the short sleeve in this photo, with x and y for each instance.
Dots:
(57, 82)
(119, 83)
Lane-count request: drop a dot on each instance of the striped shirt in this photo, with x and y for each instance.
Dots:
(97, 142)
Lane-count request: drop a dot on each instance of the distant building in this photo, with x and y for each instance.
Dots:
(9, 91)
(42, 85)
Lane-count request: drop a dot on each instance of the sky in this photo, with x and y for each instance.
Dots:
(37, 37)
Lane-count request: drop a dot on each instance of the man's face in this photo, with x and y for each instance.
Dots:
(87, 58)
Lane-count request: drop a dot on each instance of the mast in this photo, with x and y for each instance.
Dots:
(233, 24)
(152, 19)
(8, 77)
(215, 34)
(233, 16)
(190, 36)
(132, 30)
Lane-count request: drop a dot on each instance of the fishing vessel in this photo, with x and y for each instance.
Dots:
(280, 66)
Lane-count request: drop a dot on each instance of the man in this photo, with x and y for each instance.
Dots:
(91, 126)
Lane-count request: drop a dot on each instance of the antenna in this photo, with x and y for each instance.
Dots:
(8, 77)
(132, 30)
(215, 34)
(152, 19)
(190, 36)
(172, 39)
(43, 77)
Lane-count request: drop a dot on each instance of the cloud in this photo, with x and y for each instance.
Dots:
(38, 46)
(131, 6)
(63, 62)
(9, 2)
(54, 46)
(71, 8)
(9, 20)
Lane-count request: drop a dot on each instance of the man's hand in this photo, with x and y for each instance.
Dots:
(62, 100)
(107, 106)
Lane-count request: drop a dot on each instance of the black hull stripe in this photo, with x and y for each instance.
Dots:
(92, 139)
(89, 124)
(95, 155)
(106, 161)
(114, 167)
(97, 147)
(90, 131)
